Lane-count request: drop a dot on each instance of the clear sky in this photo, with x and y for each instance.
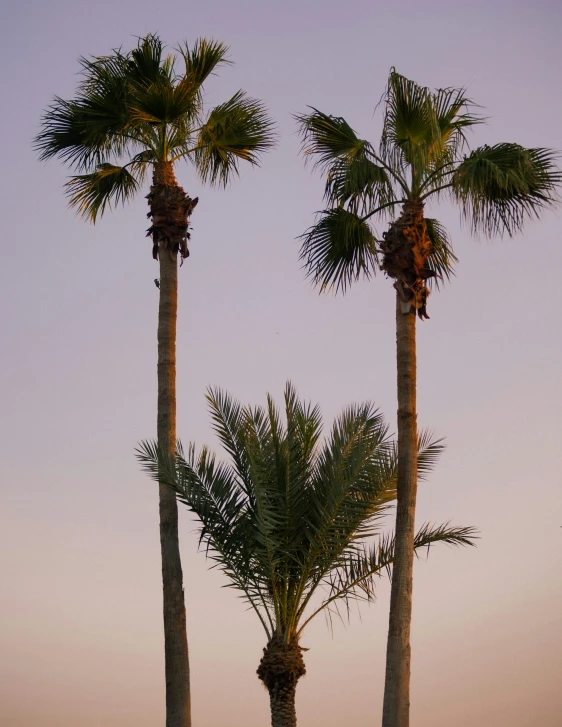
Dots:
(80, 627)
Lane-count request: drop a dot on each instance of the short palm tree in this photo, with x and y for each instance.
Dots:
(288, 519)
(137, 112)
(423, 155)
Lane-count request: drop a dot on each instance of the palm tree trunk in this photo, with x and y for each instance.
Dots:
(280, 668)
(396, 706)
(178, 696)
(282, 701)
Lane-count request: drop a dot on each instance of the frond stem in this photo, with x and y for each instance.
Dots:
(381, 207)
(394, 174)
(345, 590)
(435, 173)
(434, 191)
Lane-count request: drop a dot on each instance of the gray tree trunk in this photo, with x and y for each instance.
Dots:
(396, 706)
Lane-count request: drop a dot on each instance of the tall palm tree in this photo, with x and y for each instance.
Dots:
(288, 519)
(140, 111)
(423, 154)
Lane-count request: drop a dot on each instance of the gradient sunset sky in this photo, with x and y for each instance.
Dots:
(80, 589)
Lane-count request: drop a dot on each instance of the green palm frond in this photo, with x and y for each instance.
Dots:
(442, 259)
(329, 138)
(63, 135)
(109, 184)
(501, 186)
(430, 450)
(201, 60)
(146, 64)
(162, 102)
(409, 124)
(84, 132)
(360, 184)
(454, 115)
(338, 249)
(239, 129)
(354, 579)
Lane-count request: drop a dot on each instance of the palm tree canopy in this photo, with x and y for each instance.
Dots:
(135, 109)
(291, 513)
(423, 153)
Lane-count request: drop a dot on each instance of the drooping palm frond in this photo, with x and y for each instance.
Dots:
(239, 129)
(109, 184)
(291, 513)
(500, 187)
(338, 249)
(442, 259)
(354, 578)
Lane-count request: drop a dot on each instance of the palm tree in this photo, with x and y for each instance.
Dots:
(290, 516)
(423, 154)
(140, 111)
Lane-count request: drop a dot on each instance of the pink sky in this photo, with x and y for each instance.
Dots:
(80, 633)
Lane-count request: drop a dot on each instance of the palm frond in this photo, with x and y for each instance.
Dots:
(454, 114)
(360, 184)
(338, 249)
(409, 124)
(109, 185)
(442, 259)
(239, 129)
(83, 133)
(201, 60)
(162, 102)
(500, 187)
(354, 579)
(228, 532)
(430, 450)
(146, 64)
(329, 138)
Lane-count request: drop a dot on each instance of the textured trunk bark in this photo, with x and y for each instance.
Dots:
(282, 701)
(396, 706)
(281, 666)
(178, 696)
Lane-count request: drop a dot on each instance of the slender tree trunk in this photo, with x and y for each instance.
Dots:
(396, 707)
(178, 696)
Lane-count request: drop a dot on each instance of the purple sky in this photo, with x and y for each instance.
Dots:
(80, 631)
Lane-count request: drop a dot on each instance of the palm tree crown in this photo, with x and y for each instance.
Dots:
(290, 514)
(423, 153)
(137, 109)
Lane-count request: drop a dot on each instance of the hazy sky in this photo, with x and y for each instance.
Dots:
(81, 633)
